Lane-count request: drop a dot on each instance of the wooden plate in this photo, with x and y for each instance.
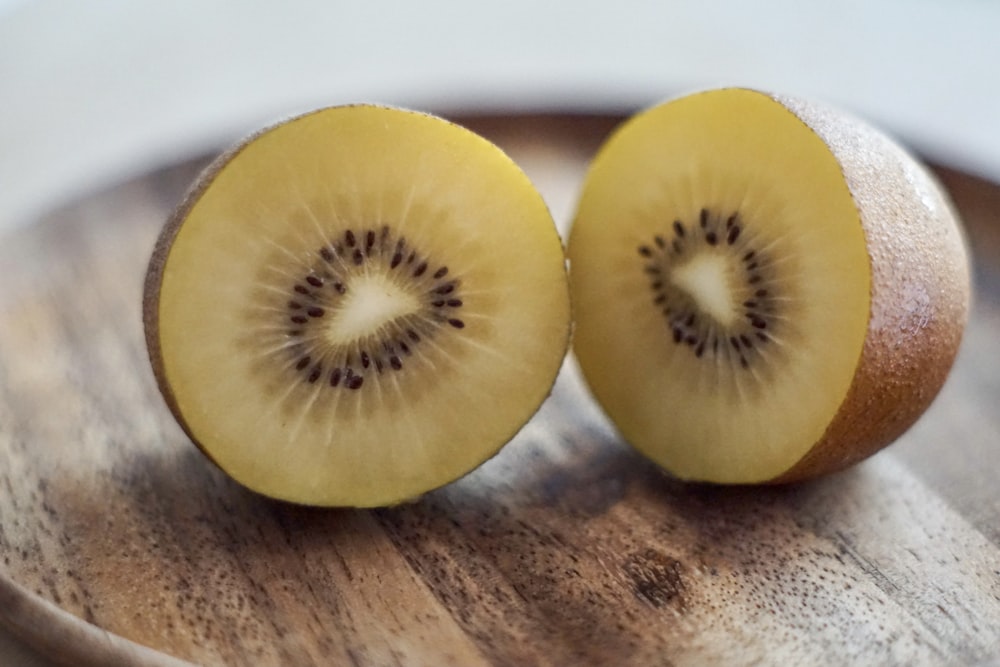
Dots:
(120, 544)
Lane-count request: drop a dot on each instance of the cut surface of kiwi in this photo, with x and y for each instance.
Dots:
(357, 306)
(764, 288)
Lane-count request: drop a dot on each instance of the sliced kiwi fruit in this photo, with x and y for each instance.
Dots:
(357, 306)
(765, 289)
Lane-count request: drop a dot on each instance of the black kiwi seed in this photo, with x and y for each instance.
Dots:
(352, 381)
(703, 335)
(734, 233)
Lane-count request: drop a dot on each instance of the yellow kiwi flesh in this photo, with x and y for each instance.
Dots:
(357, 306)
(764, 289)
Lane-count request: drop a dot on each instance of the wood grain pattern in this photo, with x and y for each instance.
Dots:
(121, 545)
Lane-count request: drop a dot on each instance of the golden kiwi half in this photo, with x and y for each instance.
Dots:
(765, 289)
(357, 306)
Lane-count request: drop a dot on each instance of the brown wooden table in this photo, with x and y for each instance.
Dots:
(120, 544)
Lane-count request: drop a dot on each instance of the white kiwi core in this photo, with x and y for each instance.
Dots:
(373, 301)
(706, 279)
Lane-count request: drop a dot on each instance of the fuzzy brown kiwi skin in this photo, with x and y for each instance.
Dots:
(920, 291)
